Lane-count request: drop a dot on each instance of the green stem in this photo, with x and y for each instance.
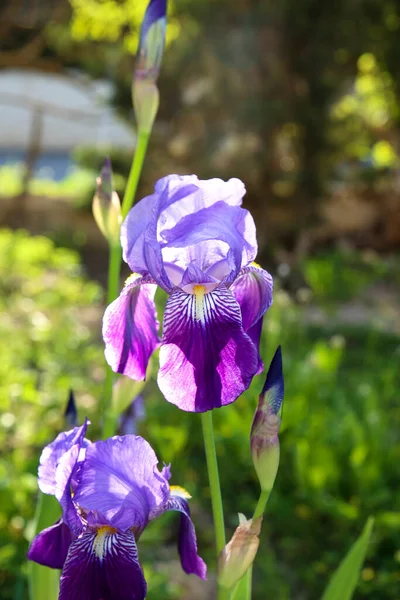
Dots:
(134, 174)
(244, 587)
(114, 267)
(213, 477)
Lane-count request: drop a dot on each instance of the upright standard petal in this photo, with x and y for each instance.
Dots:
(187, 544)
(206, 359)
(52, 454)
(50, 546)
(104, 565)
(120, 479)
(220, 225)
(130, 329)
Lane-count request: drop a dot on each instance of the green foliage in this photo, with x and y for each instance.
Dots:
(344, 581)
(49, 314)
(339, 436)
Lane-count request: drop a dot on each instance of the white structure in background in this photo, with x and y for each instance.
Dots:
(60, 111)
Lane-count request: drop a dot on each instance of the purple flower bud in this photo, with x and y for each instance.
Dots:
(135, 413)
(148, 62)
(106, 206)
(266, 423)
(239, 554)
(71, 413)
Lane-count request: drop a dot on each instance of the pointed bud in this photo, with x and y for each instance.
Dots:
(266, 423)
(145, 93)
(71, 413)
(132, 416)
(239, 554)
(106, 206)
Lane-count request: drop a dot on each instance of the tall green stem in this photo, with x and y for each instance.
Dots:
(215, 490)
(134, 174)
(213, 477)
(114, 267)
(244, 587)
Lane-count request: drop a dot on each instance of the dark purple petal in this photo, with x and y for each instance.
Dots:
(187, 543)
(52, 454)
(120, 479)
(103, 565)
(50, 546)
(254, 334)
(206, 359)
(253, 290)
(130, 329)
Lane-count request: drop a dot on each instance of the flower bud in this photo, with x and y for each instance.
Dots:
(145, 93)
(71, 413)
(239, 554)
(106, 206)
(265, 427)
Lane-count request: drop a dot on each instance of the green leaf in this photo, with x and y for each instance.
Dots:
(43, 581)
(345, 579)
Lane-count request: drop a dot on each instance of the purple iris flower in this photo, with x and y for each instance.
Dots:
(194, 240)
(108, 491)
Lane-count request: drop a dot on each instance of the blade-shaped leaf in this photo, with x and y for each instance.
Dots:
(43, 581)
(345, 579)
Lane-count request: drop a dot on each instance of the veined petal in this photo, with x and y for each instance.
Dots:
(120, 479)
(187, 542)
(103, 565)
(253, 291)
(206, 359)
(52, 454)
(50, 546)
(130, 329)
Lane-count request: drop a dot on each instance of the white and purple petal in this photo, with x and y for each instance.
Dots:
(53, 452)
(103, 565)
(120, 479)
(207, 235)
(206, 359)
(50, 546)
(130, 329)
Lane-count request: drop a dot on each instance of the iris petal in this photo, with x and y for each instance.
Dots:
(52, 454)
(121, 480)
(50, 546)
(103, 564)
(187, 543)
(130, 329)
(253, 291)
(206, 359)
(222, 226)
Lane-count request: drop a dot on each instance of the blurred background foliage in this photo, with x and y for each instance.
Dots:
(301, 100)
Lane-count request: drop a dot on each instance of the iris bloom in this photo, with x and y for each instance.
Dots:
(193, 239)
(108, 492)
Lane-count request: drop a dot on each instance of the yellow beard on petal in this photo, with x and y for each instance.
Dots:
(100, 540)
(177, 490)
(199, 292)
